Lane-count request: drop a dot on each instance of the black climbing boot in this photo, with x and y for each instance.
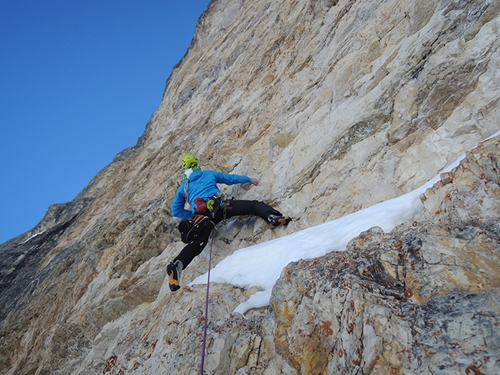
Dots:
(174, 275)
(277, 220)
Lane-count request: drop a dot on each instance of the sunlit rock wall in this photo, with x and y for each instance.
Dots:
(334, 106)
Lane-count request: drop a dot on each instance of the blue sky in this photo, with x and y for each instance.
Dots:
(79, 80)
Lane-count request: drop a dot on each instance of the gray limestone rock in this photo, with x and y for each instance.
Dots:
(335, 105)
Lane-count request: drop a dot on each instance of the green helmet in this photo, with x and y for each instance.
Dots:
(189, 161)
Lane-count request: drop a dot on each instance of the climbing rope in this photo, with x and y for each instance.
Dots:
(206, 305)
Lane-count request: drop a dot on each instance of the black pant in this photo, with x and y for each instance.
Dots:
(231, 208)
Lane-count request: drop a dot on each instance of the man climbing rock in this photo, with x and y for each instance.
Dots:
(208, 208)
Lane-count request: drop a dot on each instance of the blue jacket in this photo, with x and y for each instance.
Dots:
(202, 184)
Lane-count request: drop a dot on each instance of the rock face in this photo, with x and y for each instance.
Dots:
(334, 106)
(424, 298)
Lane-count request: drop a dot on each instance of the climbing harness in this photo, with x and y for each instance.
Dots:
(190, 229)
(206, 305)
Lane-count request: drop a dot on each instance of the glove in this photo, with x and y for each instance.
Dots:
(210, 204)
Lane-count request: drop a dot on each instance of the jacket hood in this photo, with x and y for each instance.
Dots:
(193, 176)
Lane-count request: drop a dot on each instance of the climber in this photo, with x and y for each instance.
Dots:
(208, 208)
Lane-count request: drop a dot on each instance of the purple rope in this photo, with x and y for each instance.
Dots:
(206, 310)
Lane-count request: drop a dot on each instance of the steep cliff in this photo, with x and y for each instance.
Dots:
(334, 106)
